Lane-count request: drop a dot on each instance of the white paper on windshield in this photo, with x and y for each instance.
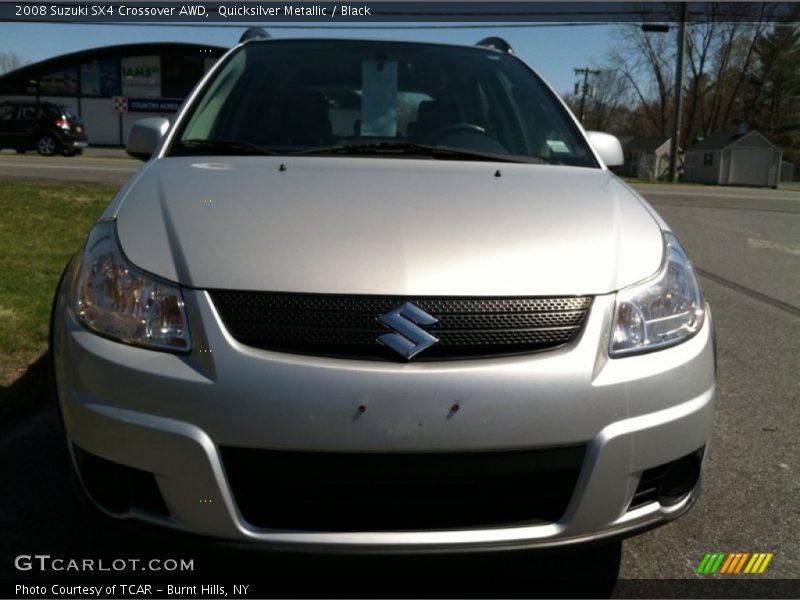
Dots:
(378, 98)
(558, 146)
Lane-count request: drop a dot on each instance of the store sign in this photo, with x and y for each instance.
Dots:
(154, 105)
(100, 77)
(120, 104)
(90, 78)
(141, 76)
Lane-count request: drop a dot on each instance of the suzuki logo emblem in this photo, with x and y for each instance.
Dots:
(409, 340)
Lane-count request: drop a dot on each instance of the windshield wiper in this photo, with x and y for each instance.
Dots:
(414, 149)
(227, 147)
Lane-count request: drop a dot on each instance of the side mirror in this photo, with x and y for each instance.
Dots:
(608, 147)
(144, 136)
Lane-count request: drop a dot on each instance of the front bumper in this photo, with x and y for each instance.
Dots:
(169, 415)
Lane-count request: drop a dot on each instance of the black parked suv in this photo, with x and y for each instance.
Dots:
(45, 127)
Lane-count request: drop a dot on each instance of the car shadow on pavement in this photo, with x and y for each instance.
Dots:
(24, 396)
(44, 513)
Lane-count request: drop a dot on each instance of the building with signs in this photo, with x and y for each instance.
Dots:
(113, 86)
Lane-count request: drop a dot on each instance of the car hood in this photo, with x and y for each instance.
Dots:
(386, 226)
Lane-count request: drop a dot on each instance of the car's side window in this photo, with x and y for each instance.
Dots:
(203, 121)
(28, 112)
(50, 112)
(8, 112)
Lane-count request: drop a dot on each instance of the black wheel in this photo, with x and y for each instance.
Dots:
(47, 145)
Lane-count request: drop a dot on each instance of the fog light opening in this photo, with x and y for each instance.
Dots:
(118, 488)
(680, 479)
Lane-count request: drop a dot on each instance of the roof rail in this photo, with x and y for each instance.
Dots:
(496, 43)
(254, 33)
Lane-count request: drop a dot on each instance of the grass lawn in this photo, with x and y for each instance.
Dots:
(41, 226)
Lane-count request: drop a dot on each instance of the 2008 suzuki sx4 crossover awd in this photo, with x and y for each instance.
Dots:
(382, 297)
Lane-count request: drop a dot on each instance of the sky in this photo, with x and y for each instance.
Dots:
(553, 51)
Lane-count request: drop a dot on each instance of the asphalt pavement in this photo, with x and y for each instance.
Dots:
(745, 244)
(109, 166)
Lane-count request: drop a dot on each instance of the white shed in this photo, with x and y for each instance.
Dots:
(646, 157)
(733, 159)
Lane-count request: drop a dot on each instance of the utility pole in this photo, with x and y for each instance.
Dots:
(586, 71)
(676, 117)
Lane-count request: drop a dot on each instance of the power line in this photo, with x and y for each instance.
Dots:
(241, 24)
(533, 25)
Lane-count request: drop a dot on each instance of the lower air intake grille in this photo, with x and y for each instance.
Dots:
(391, 492)
(347, 327)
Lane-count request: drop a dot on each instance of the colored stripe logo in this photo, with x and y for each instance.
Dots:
(734, 563)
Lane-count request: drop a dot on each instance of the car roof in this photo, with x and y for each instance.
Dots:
(272, 40)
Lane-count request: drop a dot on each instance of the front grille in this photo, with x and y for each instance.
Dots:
(404, 491)
(347, 327)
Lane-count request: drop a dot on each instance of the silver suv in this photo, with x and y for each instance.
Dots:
(383, 297)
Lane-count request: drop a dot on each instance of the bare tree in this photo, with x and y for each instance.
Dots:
(743, 65)
(774, 97)
(771, 101)
(699, 53)
(610, 102)
(647, 61)
(10, 61)
(734, 61)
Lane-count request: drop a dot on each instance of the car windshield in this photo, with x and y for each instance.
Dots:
(70, 112)
(380, 99)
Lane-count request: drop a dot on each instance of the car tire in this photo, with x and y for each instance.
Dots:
(47, 145)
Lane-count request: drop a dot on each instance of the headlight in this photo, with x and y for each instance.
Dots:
(661, 312)
(116, 300)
